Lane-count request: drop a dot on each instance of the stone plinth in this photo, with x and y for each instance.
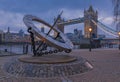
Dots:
(46, 68)
(47, 59)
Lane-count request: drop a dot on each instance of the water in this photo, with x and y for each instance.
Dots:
(16, 48)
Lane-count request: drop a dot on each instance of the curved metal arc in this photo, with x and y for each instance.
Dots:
(28, 22)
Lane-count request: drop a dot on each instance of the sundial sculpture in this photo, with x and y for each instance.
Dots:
(60, 42)
(41, 65)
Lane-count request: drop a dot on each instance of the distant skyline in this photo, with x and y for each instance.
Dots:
(13, 11)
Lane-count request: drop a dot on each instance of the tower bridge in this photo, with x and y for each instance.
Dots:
(90, 20)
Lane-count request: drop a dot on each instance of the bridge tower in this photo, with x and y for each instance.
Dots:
(88, 15)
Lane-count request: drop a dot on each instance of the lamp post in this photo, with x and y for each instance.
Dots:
(119, 39)
(90, 30)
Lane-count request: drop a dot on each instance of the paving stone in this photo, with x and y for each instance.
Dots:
(44, 70)
(106, 68)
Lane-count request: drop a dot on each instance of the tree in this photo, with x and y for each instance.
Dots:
(116, 4)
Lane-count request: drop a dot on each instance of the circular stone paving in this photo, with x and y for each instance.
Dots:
(46, 70)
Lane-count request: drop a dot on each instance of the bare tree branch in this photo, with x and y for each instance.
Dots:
(116, 4)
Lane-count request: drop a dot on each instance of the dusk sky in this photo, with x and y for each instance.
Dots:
(13, 11)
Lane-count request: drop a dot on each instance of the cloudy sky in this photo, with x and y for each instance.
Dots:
(13, 11)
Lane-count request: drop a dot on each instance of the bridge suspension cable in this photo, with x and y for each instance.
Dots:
(100, 25)
(106, 28)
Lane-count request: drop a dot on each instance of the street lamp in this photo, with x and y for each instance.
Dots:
(90, 30)
(119, 39)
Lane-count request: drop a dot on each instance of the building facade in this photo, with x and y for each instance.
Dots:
(1, 36)
(15, 42)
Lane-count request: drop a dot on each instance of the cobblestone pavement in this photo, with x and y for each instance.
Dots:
(22, 69)
(106, 64)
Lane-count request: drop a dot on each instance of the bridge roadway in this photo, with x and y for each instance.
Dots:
(100, 25)
(72, 21)
(106, 64)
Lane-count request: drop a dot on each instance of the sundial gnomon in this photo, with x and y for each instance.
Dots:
(60, 42)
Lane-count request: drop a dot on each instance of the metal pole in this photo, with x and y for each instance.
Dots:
(55, 23)
(119, 42)
(90, 43)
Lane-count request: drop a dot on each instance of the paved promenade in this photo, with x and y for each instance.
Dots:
(106, 64)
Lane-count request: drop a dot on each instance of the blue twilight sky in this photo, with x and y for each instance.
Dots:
(13, 11)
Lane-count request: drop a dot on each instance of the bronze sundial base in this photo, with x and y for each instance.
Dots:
(47, 59)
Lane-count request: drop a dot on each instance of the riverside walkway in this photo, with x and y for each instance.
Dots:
(106, 63)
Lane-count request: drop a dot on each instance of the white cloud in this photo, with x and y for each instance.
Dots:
(15, 20)
(107, 20)
(67, 14)
(71, 14)
(10, 19)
